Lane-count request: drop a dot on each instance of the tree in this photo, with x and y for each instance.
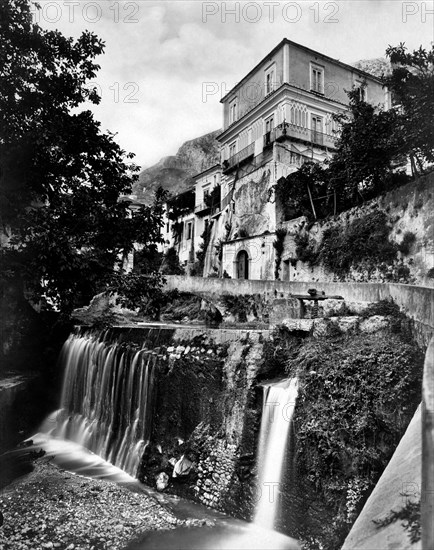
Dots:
(412, 85)
(368, 149)
(61, 178)
(297, 194)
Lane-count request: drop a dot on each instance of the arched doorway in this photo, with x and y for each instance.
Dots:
(242, 265)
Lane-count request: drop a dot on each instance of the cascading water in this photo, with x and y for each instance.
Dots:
(106, 403)
(277, 412)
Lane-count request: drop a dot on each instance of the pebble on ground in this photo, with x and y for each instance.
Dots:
(52, 508)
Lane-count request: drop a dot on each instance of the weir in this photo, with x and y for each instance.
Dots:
(107, 398)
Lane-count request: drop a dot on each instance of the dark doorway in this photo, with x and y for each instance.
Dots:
(242, 265)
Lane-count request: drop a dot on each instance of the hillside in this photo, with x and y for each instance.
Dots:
(377, 67)
(174, 173)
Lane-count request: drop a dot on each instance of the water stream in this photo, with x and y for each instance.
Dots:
(277, 412)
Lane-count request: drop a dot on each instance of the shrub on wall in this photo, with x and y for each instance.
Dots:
(305, 249)
(364, 240)
(406, 243)
(278, 246)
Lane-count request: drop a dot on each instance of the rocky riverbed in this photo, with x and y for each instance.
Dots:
(53, 508)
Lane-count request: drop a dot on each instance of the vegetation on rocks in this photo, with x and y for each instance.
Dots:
(362, 245)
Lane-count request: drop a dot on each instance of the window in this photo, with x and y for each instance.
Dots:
(232, 149)
(189, 230)
(206, 190)
(233, 111)
(270, 78)
(269, 126)
(317, 79)
(215, 180)
(167, 227)
(317, 133)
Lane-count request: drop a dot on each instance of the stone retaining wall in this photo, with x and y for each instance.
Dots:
(417, 302)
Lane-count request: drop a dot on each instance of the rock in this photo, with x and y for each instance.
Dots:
(374, 324)
(304, 325)
(346, 324)
(162, 481)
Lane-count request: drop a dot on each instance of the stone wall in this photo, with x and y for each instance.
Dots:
(207, 408)
(408, 209)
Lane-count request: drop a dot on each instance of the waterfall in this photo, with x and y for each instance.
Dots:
(277, 412)
(106, 403)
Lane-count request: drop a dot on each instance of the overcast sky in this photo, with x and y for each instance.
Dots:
(168, 63)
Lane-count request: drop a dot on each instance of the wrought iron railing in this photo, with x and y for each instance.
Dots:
(305, 134)
(239, 157)
(201, 207)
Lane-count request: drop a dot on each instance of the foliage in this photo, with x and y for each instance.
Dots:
(412, 84)
(213, 199)
(292, 192)
(242, 233)
(407, 241)
(177, 230)
(180, 205)
(410, 513)
(356, 397)
(278, 245)
(364, 239)
(170, 264)
(305, 249)
(60, 177)
(430, 273)
(237, 306)
(367, 151)
(139, 292)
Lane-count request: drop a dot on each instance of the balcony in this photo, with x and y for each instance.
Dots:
(201, 208)
(286, 130)
(238, 158)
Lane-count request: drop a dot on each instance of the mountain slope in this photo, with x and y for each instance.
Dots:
(377, 66)
(174, 173)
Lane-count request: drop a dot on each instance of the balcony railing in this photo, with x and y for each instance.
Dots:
(242, 155)
(298, 132)
(203, 207)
